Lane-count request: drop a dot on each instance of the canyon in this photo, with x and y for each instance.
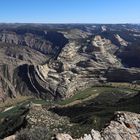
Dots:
(84, 69)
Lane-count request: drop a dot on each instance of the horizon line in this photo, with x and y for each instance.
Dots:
(64, 23)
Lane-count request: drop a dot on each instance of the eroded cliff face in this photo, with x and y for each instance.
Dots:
(46, 43)
(21, 53)
(6, 87)
(54, 64)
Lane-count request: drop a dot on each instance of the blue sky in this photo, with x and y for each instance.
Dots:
(70, 11)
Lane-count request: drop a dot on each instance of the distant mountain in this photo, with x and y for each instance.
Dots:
(53, 61)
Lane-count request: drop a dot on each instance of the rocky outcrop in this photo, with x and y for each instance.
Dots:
(102, 50)
(123, 126)
(40, 116)
(12, 137)
(121, 40)
(31, 116)
(68, 52)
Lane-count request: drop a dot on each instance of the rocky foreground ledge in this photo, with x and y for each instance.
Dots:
(123, 126)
